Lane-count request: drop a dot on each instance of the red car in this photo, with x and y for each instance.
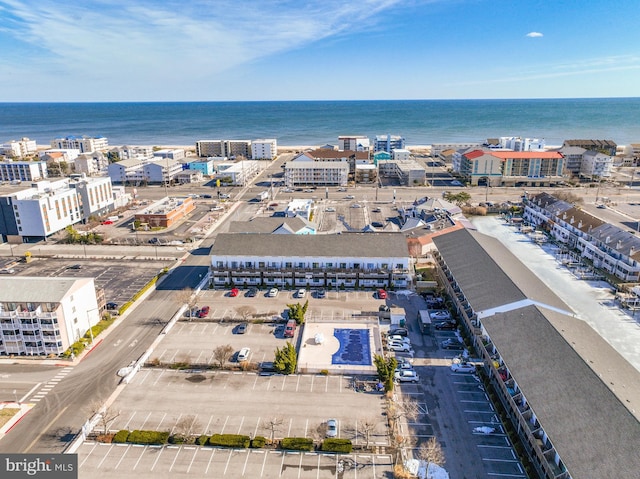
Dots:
(234, 292)
(202, 313)
(382, 294)
(107, 222)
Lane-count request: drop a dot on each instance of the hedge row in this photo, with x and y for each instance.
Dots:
(229, 440)
(342, 446)
(141, 437)
(297, 444)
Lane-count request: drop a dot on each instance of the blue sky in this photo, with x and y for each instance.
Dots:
(181, 50)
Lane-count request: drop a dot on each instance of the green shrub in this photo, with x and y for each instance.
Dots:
(297, 444)
(177, 439)
(121, 436)
(343, 446)
(229, 440)
(202, 440)
(258, 442)
(324, 372)
(148, 437)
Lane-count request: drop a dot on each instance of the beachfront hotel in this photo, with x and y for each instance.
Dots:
(85, 144)
(23, 170)
(264, 149)
(19, 148)
(224, 148)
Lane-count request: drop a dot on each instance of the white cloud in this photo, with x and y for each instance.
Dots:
(534, 35)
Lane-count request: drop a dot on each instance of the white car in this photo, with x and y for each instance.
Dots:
(332, 428)
(244, 354)
(301, 293)
(400, 347)
(225, 196)
(440, 315)
(349, 197)
(463, 368)
(406, 376)
(330, 209)
(396, 338)
(404, 366)
(356, 205)
(273, 292)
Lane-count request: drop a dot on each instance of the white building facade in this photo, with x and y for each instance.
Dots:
(316, 173)
(264, 149)
(354, 143)
(85, 144)
(238, 173)
(19, 148)
(596, 165)
(44, 316)
(388, 143)
(23, 170)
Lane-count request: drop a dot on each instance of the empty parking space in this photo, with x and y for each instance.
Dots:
(107, 461)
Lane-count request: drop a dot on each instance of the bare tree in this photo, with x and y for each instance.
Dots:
(272, 425)
(106, 415)
(431, 451)
(186, 425)
(222, 354)
(407, 409)
(246, 311)
(186, 296)
(367, 425)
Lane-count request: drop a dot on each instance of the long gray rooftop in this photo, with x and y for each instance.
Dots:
(372, 245)
(31, 289)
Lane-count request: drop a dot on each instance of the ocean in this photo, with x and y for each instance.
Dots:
(420, 122)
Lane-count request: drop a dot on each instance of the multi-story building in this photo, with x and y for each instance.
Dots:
(85, 144)
(608, 147)
(572, 159)
(23, 170)
(366, 173)
(205, 166)
(63, 154)
(166, 212)
(401, 154)
(91, 164)
(531, 168)
(205, 148)
(438, 148)
(161, 172)
(479, 167)
(240, 172)
(47, 207)
(19, 148)
(568, 394)
(369, 260)
(316, 173)
(516, 143)
(126, 152)
(607, 247)
(264, 149)
(129, 172)
(409, 173)
(388, 143)
(595, 165)
(43, 316)
(354, 143)
(170, 154)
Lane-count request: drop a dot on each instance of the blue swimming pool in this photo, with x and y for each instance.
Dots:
(354, 347)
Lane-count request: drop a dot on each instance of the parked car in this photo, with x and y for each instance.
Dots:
(243, 354)
(251, 292)
(301, 293)
(203, 312)
(463, 368)
(400, 347)
(404, 366)
(377, 224)
(356, 205)
(342, 189)
(382, 294)
(332, 428)
(75, 266)
(398, 331)
(330, 209)
(440, 315)
(456, 183)
(154, 241)
(321, 293)
(376, 210)
(273, 292)
(398, 338)
(7, 271)
(111, 305)
(349, 197)
(452, 344)
(208, 197)
(406, 376)
(446, 325)
(234, 292)
(106, 222)
(224, 196)
(242, 328)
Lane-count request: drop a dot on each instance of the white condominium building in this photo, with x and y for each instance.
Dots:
(264, 149)
(85, 144)
(19, 148)
(388, 143)
(42, 316)
(318, 173)
(239, 173)
(23, 170)
(48, 207)
(228, 148)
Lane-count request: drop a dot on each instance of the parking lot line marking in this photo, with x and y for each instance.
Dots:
(195, 452)
(255, 431)
(143, 422)
(326, 384)
(284, 378)
(144, 449)
(290, 424)
(85, 459)
(176, 423)
(206, 429)
(213, 451)
(489, 459)
(224, 425)
(477, 412)
(241, 423)
(228, 461)
(174, 459)
(312, 379)
(298, 382)
(300, 466)
(122, 457)
(489, 446)
(126, 426)
(158, 428)
(472, 401)
(318, 468)
(158, 378)
(104, 458)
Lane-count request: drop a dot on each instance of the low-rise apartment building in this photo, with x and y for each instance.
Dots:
(44, 316)
(409, 173)
(170, 154)
(350, 260)
(354, 143)
(595, 165)
(388, 143)
(569, 395)
(23, 170)
(316, 173)
(238, 173)
(607, 247)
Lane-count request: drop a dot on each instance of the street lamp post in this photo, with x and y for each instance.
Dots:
(89, 321)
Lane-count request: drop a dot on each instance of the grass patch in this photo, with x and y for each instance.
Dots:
(6, 414)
